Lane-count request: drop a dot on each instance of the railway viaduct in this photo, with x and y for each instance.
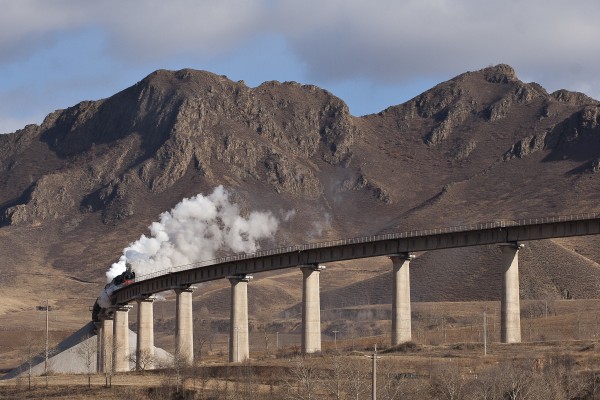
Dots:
(113, 329)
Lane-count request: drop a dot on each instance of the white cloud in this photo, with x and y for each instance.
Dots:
(387, 42)
(135, 30)
(28, 25)
(396, 40)
(156, 28)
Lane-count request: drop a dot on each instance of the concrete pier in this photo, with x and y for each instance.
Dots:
(184, 329)
(106, 343)
(98, 326)
(311, 309)
(121, 339)
(239, 349)
(144, 353)
(510, 321)
(401, 318)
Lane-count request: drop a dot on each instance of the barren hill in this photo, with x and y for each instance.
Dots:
(78, 188)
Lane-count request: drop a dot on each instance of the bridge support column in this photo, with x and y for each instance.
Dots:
(510, 320)
(311, 309)
(98, 346)
(401, 318)
(184, 329)
(144, 353)
(106, 343)
(239, 349)
(121, 338)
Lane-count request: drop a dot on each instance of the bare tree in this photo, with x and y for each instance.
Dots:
(162, 391)
(221, 389)
(201, 376)
(337, 378)
(302, 384)
(562, 372)
(485, 386)
(358, 375)
(388, 382)
(87, 351)
(515, 381)
(592, 379)
(203, 336)
(30, 353)
(245, 384)
(265, 326)
(267, 334)
(144, 361)
(178, 365)
(448, 382)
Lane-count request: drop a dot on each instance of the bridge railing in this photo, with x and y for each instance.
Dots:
(370, 239)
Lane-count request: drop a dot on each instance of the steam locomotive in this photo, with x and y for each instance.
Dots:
(126, 278)
(103, 301)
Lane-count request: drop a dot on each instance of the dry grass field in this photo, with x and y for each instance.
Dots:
(560, 340)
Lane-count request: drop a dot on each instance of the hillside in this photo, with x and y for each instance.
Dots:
(75, 190)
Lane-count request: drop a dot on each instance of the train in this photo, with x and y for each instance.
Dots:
(103, 302)
(126, 278)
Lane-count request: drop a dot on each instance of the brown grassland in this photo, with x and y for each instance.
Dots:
(558, 359)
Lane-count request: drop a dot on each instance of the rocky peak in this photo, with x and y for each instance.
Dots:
(573, 98)
(501, 73)
(176, 127)
(175, 123)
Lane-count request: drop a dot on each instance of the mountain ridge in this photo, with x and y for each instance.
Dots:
(481, 146)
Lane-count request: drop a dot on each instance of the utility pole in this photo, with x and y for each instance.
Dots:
(47, 309)
(484, 333)
(374, 374)
(46, 359)
(335, 339)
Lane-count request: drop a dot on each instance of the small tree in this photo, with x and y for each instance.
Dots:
(563, 372)
(303, 382)
(244, 386)
(267, 334)
(515, 381)
(337, 379)
(200, 375)
(203, 336)
(346, 377)
(86, 350)
(448, 382)
(178, 365)
(30, 352)
(145, 360)
(388, 383)
(358, 375)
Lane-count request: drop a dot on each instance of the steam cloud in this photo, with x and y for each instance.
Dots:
(194, 230)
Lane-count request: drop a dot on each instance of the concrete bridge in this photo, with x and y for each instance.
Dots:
(509, 235)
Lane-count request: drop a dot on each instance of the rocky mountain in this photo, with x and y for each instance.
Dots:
(89, 180)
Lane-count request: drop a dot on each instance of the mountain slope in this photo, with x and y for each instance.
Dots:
(78, 188)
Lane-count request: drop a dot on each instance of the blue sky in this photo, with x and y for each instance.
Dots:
(372, 54)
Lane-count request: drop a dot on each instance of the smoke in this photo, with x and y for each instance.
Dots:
(287, 215)
(195, 230)
(319, 226)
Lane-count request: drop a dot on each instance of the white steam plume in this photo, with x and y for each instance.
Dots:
(194, 230)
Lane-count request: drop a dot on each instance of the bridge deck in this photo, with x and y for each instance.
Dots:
(363, 247)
